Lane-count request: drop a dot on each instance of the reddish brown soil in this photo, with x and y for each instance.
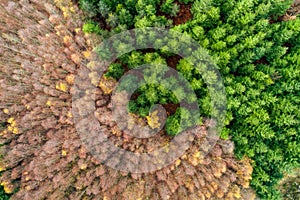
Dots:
(172, 61)
(295, 9)
(171, 108)
(291, 14)
(263, 60)
(183, 15)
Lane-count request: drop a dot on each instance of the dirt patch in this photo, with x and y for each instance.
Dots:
(291, 13)
(184, 14)
(295, 8)
(171, 108)
(172, 61)
(263, 61)
(290, 185)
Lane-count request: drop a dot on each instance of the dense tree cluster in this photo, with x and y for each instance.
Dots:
(256, 51)
(42, 157)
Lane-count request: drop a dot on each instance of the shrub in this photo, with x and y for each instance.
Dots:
(170, 8)
(91, 27)
(115, 70)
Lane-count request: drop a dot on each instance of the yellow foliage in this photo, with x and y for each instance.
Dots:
(13, 123)
(10, 128)
(153, 120)
(67, 40)
(6, 111)
(62, 87)
(107, 85)
(194, 161)
(166, 148)
(197, 154)
(15, 130)
(10, 120)
(70, 114)
(72, 9)
(70, 79)
(184, 157)
(83, 167)
(48, 103)
(87, 54)
(7, 188)
(77, 30)
(115, 130)
(3, 132)
(236, 192)
(64, 153)
(177, 162)
(66, 6)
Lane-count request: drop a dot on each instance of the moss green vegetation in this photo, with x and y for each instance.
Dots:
(258, 56)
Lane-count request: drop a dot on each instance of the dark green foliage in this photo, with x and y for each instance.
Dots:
(170, 8)
(157, 86)
(90, 6)
(186, 1)
(120, 15)
(115, 70)
(173, 124)
(180, 121)
(263, 95)
(259, 60)
(3, 195)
